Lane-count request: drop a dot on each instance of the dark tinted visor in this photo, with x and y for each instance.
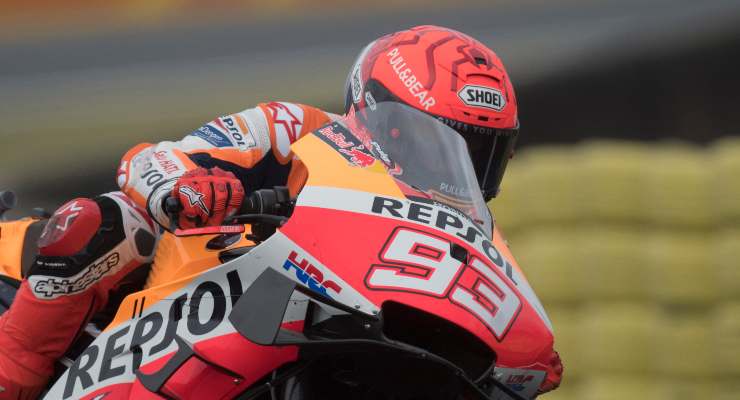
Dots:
(490, 154)
(490, 148)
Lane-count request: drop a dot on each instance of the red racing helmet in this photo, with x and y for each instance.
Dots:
(451, 76)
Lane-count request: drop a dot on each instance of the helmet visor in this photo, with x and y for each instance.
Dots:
(490, 154)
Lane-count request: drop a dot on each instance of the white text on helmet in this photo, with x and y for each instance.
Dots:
(409, 79)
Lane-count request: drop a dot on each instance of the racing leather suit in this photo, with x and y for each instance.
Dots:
(90, 245)
(254, 145)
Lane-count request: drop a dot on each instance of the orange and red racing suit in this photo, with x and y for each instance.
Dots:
(89, 245)
(253, 144)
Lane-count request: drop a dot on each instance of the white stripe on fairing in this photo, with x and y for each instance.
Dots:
(361, 202)
(349, 296)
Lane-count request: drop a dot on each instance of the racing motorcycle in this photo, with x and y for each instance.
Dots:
(385, 278)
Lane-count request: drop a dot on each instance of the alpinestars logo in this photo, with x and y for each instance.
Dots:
(52, 287)
(481, 96)
(195, 198)
(67, 215)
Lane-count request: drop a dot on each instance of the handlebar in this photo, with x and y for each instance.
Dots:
(264, 209)
(275, 201)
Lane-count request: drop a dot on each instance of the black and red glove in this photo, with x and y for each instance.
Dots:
(207, 197)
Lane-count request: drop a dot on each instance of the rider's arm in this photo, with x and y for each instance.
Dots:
(253, 144)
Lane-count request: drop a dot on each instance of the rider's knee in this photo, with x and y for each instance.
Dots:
(88, 241)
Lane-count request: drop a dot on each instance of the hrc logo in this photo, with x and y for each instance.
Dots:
(310, 276)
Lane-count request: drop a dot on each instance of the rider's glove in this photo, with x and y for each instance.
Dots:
(207, 197)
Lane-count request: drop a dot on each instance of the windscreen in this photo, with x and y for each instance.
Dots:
(429, 159)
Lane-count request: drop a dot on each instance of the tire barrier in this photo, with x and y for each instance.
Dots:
(634, 249)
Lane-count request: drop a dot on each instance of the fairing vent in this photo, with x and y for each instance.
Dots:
(439, 336)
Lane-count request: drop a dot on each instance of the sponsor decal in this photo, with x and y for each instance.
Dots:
(358, 156)
(346, 144)
(64, 218)
(377, 150)
(51, 287)
(168, 165)
(523, 381)
(151, 177)
(287, 119)
(380, 154)
(103, 361)
(518, 382)
(356, 82)
(195, 198)
(337, 138)
(454, 190)
(212, 135)
(447, 221)
(482, 96)
(467, 128)
(242, 139)
(409, 79)
(310, 275)
(370, 100)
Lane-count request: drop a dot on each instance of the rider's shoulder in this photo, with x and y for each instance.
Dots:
(280, 112)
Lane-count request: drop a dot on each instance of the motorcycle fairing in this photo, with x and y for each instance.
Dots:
(442, 218)
(359, 208)
(195, 309)
(357, 229)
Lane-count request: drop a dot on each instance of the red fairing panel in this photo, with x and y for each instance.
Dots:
(199, 380)
(412, 263)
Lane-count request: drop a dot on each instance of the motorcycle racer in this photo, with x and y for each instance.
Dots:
(90, 245)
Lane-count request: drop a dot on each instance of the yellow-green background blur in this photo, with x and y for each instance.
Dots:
(634, 251)
(622, 205)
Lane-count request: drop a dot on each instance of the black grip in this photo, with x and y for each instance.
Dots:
(275, 201)
(250, 205)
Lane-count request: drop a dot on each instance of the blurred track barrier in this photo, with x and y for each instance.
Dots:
(635, 251)
(726, 335)
(726, 260)
(726, 190)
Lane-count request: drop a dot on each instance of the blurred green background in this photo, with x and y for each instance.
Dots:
(622, 204)
(634, 248)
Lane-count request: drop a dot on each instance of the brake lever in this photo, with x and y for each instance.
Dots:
(210, 230)
(272, 220)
